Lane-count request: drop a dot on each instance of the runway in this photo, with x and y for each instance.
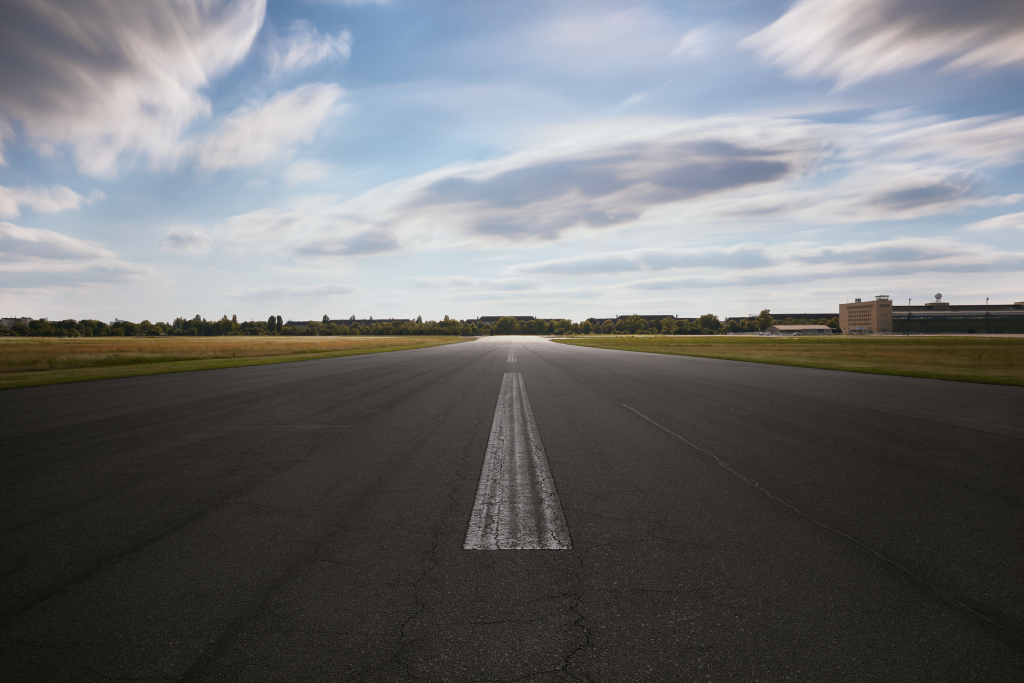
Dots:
(512, 509)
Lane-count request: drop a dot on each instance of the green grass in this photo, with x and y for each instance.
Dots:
(68, 366)
(990, 360)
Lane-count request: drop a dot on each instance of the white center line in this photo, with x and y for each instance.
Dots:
(511, 357)
(516, 504)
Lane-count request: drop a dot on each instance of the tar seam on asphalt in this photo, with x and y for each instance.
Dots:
(920, 580)
(516, 506)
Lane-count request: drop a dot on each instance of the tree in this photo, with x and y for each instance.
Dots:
(668, 326)
(709, 321)
(764, 320)
(587, 327)
(280, 324)
(506, 325)
(326, 319)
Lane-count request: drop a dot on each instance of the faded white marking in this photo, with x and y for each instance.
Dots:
(511, 357)
(516, 504)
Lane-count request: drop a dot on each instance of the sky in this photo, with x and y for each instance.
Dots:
(559, 159)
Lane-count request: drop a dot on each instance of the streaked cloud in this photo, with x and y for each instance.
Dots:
(854, 40)
(694, 43)
(112, 82)
(649, 174)
(257, 133)
(5, 134)
(738, 256)
(327, 290)
(31, 256)
(42, 199)
(635, 98)
(306, 171)
(789, 264)
(188, 239)
(1007, 220)
(303, 46)
(478, 284)
(362, 244)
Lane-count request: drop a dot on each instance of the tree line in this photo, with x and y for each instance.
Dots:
(274, 325)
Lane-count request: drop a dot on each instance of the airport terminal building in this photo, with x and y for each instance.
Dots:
(936, 317)
(866, 317)
(941, 317)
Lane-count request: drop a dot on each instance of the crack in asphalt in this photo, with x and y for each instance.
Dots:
(905, 571)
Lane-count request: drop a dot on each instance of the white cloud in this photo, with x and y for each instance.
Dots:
(301, 292)
(306, 171)
(634, 98)
(260, 228)
(304, 47)
(110, 79)
(478, 284)
(855, 40)
(737, 256)
(34, 256)
(254, 134)
(188, 239)
(5, 132)
(802, 264)
(42, 199)
(1008, 220)
(740, 174)
(694, 44)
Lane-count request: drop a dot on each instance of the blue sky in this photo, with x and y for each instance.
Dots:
(569, 159)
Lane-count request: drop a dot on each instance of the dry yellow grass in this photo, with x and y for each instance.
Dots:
(994, 360)
(29, 361)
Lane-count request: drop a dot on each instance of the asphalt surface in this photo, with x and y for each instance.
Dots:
(305, 521)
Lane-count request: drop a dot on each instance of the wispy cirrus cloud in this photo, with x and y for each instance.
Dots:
(256, 133)
(854, 40)
(304, 46)
(695, 43)
(112, 81)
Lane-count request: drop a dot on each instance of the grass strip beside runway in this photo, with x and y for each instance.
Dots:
(34, 361)
(991, 360)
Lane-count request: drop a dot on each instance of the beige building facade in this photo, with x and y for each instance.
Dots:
(866, 317)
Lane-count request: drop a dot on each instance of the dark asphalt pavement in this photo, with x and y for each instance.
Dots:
(304, 521)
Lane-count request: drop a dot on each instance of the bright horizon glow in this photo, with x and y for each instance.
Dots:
(569, 160)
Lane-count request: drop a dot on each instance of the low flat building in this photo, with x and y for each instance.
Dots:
(646, 317)
(941, 317)
(866, 317)
(490, 319)
(366, 322)
(799, 330)
(785, 316)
